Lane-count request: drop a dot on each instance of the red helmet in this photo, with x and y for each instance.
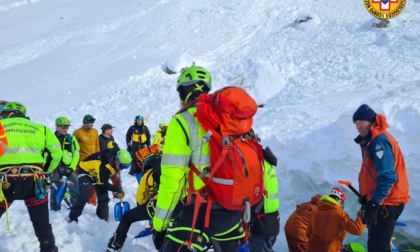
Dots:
(339, 193)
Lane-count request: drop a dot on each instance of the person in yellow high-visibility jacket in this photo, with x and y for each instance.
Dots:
(26, 175)
(183, 145)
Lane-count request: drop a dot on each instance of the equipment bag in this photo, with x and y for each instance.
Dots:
(143, 153)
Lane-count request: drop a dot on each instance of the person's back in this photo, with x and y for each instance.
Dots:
(34, 140)
(329, 224)
(23, 168)
(296, 225)
(184, 146)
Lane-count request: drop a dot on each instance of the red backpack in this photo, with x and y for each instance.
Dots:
(236, 176)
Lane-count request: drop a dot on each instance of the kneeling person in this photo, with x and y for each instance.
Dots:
(96, 170)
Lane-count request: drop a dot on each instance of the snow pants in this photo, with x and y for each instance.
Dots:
(85, 185)
(224, 232)
(23, 188)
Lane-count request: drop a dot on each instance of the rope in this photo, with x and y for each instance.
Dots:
(3, 198)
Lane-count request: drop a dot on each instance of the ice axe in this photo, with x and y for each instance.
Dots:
(362, 200)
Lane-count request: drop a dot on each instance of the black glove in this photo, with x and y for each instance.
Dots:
(370, 214)
(362, 201)
(129, 148)
(158, 238)
(68, 172)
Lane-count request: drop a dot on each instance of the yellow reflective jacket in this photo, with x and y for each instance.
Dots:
(99, 166)
(271, 184)
(146, 188)
(182, 146)
(27, 143)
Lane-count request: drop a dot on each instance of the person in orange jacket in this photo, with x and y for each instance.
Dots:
(296, 225)
(329, 224)
(383, 178)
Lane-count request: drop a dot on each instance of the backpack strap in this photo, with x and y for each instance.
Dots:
(183, 129)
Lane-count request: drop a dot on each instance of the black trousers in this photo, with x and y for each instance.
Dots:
(139, 213)
(379, 236)
(102, 209)
(23, 188)
(221, 220)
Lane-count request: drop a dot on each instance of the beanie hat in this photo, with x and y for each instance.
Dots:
(88, 119)
(106, 126)
(364, 113)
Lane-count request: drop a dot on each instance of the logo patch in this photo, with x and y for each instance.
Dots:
(385, 9)
(379, 151)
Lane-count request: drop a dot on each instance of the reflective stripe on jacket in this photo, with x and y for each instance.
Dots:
(182, 146)
(27, 143)
(383, 175)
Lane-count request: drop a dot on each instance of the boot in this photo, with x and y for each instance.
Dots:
(113, 246)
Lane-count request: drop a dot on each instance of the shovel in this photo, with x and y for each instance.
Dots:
(120, 208)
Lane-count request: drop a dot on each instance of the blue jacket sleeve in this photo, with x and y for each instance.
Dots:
(383, 158)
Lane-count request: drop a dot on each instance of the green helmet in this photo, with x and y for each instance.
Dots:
(15, 107)
(162, 125)
(353, 247)
(62, 121)
(192, 75)
(124, 157)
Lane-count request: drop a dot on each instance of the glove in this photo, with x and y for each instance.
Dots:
(129, 148)
(68, 172)
(119, 195)
(369, 214)
(158, 238)
(362, 201)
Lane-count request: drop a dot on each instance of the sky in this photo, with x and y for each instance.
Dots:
(105, 58)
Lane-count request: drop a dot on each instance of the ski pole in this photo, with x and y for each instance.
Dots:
(362, 200)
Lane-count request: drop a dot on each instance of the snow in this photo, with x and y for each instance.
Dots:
(74, 57)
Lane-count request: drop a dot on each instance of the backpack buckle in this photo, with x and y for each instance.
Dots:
(225, 142)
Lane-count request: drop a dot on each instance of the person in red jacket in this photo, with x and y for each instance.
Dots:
(329, 224)
(296, 225)
(382, 179)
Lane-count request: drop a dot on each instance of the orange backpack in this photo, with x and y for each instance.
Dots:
(236, 176)
(143, 153)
